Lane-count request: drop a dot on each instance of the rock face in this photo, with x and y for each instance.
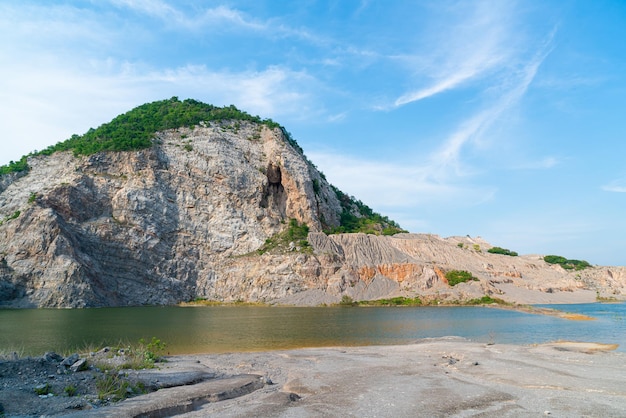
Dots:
(152, 226)
(183, 219)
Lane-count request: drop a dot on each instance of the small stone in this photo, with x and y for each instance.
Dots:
(51, 357)
(476, 363)
(78, 366)
(70, 360)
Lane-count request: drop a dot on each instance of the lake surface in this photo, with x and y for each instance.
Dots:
(218, 329)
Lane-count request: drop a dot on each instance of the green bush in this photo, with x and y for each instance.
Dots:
(455, 277)
(295, 232)
(347, 301)
(486, 300)
(358, 217)
(397, 301)
(151, 352)
(15, 166)
(503, 251)
(565, 263)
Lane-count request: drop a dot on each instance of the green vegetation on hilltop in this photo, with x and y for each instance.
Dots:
(15, 166)
(565, 263)
(135, 129)
(503, 251)
(358, 217)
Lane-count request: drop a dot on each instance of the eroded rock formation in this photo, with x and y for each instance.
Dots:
(184, 218)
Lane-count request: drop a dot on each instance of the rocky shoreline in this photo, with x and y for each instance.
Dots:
(432, 377)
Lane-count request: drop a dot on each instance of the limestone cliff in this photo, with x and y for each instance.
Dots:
(152, 226)
(184, 218)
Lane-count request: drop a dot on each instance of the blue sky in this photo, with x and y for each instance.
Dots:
(499, 119)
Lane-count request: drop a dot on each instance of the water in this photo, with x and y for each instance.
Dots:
(252, 328)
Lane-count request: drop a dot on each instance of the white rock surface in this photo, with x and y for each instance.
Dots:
(183, 220)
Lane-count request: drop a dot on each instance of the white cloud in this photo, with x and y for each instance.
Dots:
(70, 99)
(615, 186)
(396, 186)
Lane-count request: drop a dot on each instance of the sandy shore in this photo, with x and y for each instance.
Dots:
(434, 378)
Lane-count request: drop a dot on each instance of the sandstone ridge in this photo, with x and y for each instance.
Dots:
(184, 218)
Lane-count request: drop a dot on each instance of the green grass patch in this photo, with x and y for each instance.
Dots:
(70, 390)
(455, 277)
(42, 389)
(294, 237)
(12, 216)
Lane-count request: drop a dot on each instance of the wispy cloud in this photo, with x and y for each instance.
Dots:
(476, 42)
(510, 92)
(615, 186)
(210, 16)
(541, 164)
(442, 177)
(220, 16)
(71, 97)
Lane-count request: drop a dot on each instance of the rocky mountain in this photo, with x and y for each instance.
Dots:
(226, 207)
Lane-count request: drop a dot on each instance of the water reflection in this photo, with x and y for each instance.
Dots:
(251, 328)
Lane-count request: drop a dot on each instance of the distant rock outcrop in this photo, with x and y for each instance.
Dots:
(184, 219)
